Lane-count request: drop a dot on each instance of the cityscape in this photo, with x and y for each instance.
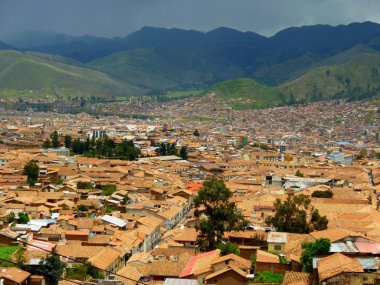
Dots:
(256, 160)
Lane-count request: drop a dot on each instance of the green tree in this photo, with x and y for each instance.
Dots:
(11, 217)
(32, 170)
(217, 214)
(196, 133)
(228, 248)
(55, 140)
(109, 189)
(23, 218)
(52, 268)
(253, 263)
(47, 144)
(83, 208)
(68, 141)
(299, 173)
(320, 246)
(296, 215)
(322, 194)
(183, 152)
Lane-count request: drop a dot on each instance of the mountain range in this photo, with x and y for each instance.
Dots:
(308, 63)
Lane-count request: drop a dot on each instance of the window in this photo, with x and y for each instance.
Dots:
(277, 247)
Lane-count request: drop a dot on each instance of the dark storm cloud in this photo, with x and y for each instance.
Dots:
(120, 17)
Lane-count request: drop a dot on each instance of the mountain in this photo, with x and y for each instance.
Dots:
(354, 75)
(29, 40)
(156, 60)
(4, 46)
(46, 76)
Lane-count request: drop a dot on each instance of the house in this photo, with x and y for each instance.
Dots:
(266, 261)
(331, 269)
(277, 241)
(13, 276)
(227, 275)
(108, 259)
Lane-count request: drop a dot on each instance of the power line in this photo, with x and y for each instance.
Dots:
(78, 261)
(40, 271)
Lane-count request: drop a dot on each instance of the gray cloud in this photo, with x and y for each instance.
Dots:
(121, 17)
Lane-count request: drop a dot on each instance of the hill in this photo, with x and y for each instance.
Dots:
(352, 77)
(47, 76)
(160, 69)
(245, 93)
(4, 46)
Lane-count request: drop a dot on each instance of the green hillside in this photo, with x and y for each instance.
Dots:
(55, 76)
(245, 93)
(158, 69)
(354, 79)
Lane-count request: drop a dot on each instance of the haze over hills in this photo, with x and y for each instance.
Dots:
(155, 60)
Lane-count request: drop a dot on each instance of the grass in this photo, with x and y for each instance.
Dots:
(6, 253)
(245, 93)
(268, 277)
(357, 75)
(29, 75)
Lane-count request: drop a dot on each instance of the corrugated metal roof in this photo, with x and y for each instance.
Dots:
(113, 220)
(175, 281)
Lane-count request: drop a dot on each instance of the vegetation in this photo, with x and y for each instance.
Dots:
(253, 263)
(84, 185)
(52, 78)
(183, 153)
(83, 208)
(166, 149)
(52, 268)
(228, 248)
(109, 189)
(84, 272)
(196, 133)
(32, 170)
(295, 215)
(320, 246)
(322, 194)
(105, 148)
(23, 218)
(217, 214)
(11, 217)
(55, 143)
(268, 277)
(239, 90)
(6, 252)
(299, 173)
(47, 144)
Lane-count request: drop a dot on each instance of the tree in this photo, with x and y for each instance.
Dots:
(68, 141)
(55, 140)
(196, 133)
(32, 170)
(46, 144)
(183, 153)
(23, 218)
(228, 248)
(322, 194)
(217, 214)
(299, 173)
(292, 215)
(320, 246)
(52, 268)
(11, 217)
(253, 263)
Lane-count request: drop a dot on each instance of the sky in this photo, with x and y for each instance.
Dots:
(111, 18)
